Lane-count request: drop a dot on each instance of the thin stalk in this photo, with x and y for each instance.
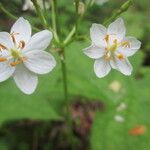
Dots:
(40, 14)
(124, 7)
(54, 19)
(4, 10)
(67, 112)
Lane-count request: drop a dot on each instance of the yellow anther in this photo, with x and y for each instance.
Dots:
(106, 38)
(120, 56)
(15, 63)
(2, 47)
(19, 61)
(125, 44)
(2, 59)
(107, 56)
(21, 44)
(113, 47)
(13, 34)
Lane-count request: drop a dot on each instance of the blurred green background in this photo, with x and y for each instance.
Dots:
(35, 122)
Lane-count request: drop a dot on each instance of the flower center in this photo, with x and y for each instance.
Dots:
(18, 58)
(15, 53)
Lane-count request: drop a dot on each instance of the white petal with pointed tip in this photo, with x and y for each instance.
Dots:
(94, 52)
(6, 71)
(23, 29)
(39, 62)
(101, 67)
(5, 39)
(39, 41)
(133, 47)
(123, 65)
(25, 80)
(117, 28)
(98, 33)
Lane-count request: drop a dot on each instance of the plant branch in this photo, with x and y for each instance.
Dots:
(40, 14)
(124, 7)
(54, 19)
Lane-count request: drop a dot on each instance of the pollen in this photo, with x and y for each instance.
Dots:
(21, 44)
(125, 44)
(120, 56)
(13, 34)
(106, 38)
(2, 59)
(2, 47)
(108, 56)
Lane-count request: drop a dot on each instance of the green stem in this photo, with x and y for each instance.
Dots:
(2, 8)
(124, 7)
(67, 112)
(70, 35)
(40, 14)
(54, 19)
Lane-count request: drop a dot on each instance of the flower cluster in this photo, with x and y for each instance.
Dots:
(23, 57)
(110, 48)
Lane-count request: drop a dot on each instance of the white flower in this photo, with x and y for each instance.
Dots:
(23, 56)
(28, 5)
(100, 2)
(119, 118)
(110, 48)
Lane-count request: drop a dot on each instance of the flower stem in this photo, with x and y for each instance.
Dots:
(2, 8)
(71, 137)
(54, 19)
(39, 12)
(124, 7)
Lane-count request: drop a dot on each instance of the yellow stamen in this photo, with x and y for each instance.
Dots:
(13, 37)
(2, 47)
(108, 56)
(120, 56)
(19, 61)
(106, 38)
(114, 46)
(2, 59)
(125, 44)
(21, 44)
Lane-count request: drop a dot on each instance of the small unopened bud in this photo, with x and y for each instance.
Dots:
(119, 118)
(115, 86)
(81, 8)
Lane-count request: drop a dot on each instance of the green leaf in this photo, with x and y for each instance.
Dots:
(15, 105)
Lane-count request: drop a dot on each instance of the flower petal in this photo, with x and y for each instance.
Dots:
(6, 71)
(21, 30)
(25, 80)
(39, 41)
(101, 67)
(131, 47)
(94, 52)
(5, 40)
(39, 62)
(123, 65)
(117, 29)
(98, 33)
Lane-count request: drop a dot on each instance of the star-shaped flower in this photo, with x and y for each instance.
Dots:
(110, 48)
(23, 56)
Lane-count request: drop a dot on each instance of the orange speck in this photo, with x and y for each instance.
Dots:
(2, 59)
(139, 130)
